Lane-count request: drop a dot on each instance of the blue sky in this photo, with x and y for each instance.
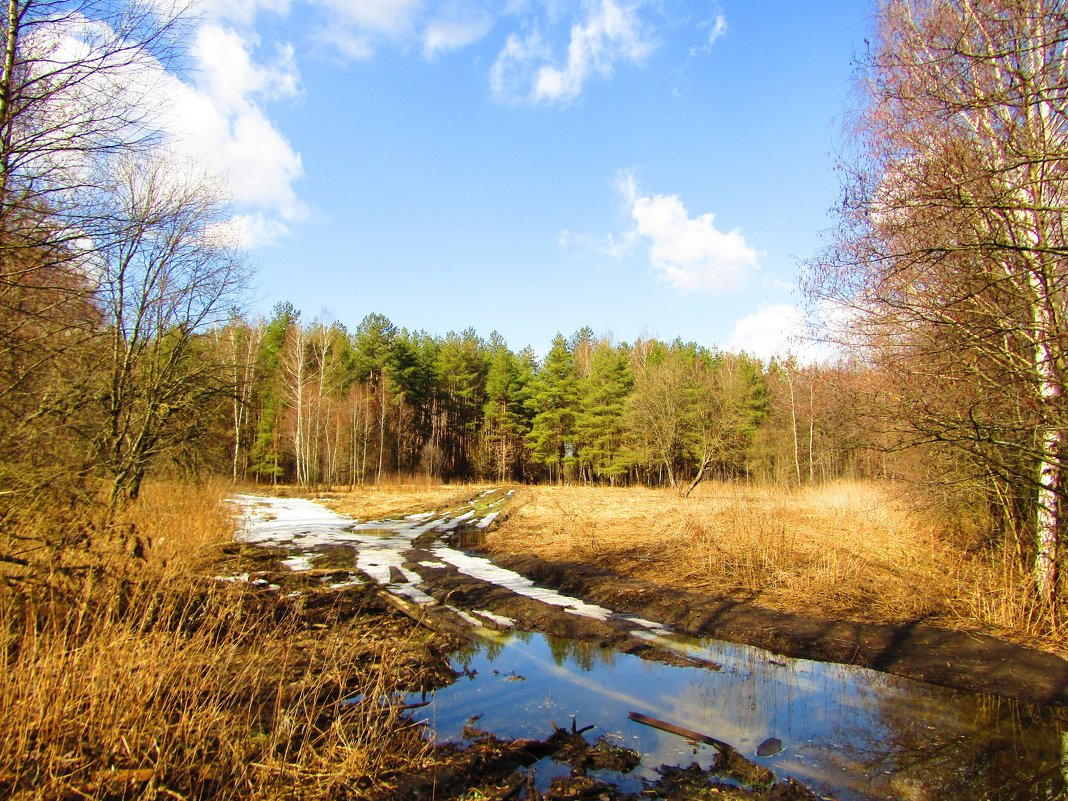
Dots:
(641, 167)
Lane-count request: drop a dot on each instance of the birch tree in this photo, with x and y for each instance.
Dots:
(950, 246)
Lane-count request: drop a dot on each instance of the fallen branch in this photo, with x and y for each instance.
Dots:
(689, 734)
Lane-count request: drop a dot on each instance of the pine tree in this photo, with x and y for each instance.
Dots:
(266, 460)
(506, 419)
(599, 424)
(554, 394)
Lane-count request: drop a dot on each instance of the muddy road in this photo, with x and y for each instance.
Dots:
(556, 645)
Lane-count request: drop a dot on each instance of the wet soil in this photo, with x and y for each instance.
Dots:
(484, 766)
(916, 650)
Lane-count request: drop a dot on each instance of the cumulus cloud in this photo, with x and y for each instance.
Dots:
(783, 330)
(219, 121)
(773, 331)
(690, 253)
(609, 33)
(228, 73)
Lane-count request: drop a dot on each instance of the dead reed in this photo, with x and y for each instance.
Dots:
(152, 679)
(850, 550)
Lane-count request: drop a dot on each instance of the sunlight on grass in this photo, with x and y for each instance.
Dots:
(851, 550)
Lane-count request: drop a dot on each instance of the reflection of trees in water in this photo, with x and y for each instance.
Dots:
(757, 693)
(965, 750)
(584, 655)
(900, 739)
(469, 649)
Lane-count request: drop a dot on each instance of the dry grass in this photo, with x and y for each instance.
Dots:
(848, 550)
(156, 681)
(398, 499)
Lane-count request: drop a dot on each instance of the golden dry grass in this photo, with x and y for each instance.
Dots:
(153, 680)
(847, 550)
(398, 499)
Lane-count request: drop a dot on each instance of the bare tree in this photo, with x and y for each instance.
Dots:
(167, 274)
(951, 244)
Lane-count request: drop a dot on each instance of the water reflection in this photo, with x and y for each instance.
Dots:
(847, 732)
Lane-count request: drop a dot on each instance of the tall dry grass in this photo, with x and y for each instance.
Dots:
(151, 679)
(849, 550)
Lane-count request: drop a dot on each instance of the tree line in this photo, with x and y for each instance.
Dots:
(315, 403)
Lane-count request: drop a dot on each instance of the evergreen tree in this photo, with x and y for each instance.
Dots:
(599, 425)
(462, 368)
(266, 460)
(506, 419)
(553, 398)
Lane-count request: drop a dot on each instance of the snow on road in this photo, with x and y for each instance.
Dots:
(306, 528)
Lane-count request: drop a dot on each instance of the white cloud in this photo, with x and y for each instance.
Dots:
(783, 330)
(609, 33)
(355, 27)
(391, 17)
(690, 253)
(719, 28)
(219, 121)
(511, 71)
(443, 35)
(229, 75)
(773, 331)
(242, 12)
(252, 230)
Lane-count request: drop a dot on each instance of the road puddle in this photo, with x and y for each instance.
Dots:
(846, 732)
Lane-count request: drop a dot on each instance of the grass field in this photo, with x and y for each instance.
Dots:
(145, 676)
(397, 499)
(846, 550)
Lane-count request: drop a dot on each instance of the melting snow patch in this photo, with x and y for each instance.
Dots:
(485, 521)
(649, 624)
(433, 564)
(299, 562)
(239, 577)
(414, 593)
(469, 619)
(500, 620)
(483, 569)
(376, 562)
(351, 581)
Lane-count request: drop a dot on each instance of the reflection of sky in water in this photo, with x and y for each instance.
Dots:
(848, 732)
